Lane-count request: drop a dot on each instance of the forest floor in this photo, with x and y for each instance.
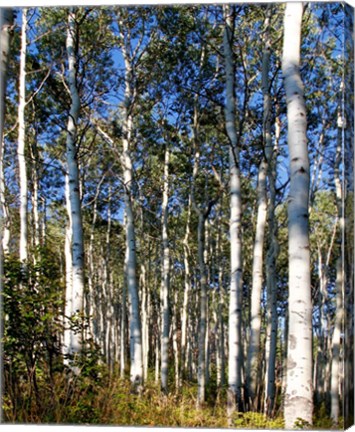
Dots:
(105, 399)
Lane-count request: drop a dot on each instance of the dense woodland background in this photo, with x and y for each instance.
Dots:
(124, 132)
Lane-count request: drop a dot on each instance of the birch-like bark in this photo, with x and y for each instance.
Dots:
(336, 341)
(6, 22)
(271, 281)
(340, 280)
(299, 391)
(22, 142)
(77, 244)
(123, 322)
(145, 320)
(68, 309)
(187, 281)
(136, 366)
(235, 298)
(253, 360)
(165, 282)
(201, 375)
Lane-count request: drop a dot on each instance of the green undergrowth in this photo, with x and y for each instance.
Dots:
(105, 399)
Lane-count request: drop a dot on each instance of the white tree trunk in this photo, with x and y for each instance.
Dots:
(136, 367)
(201, 375)
(77, 244)
(68, 309)
(135, 329)
(6, 17)
(123, 326)
(253, 360)
(165, 282)
(175, 341)
(299, 391)
(184, 317)
(271, 279)
(336, 341)
(21, 141)
(340, 280)
(235, 299)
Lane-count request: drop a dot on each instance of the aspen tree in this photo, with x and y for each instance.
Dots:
(135, 331)
(299, 391)
(77, 241)
(253, 358)
(21, 148)
(6, 18)
(340, 277)
(165, 327)
(235, 301)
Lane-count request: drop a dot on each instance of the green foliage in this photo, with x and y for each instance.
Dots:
(32, 300)
(300, 423)
(254, 420)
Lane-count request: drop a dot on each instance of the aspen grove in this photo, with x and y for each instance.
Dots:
(176, 198)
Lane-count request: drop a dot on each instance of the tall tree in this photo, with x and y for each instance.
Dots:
(299, 392)
(21, 148)
(253, 358)
(136, 365)
(235, 299)
(75, 216)
(6, 22)
(165, 326)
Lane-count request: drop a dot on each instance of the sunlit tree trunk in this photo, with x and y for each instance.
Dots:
(253, 358)
(340, 278)
(336, 341)
(135, 331)
(68, 310)
(187, 286)
(299, 391)
(145, 320)
(235, 297)
(165, 283)
(175, 341)
(271, 278)
(201, 376)
(21, 148)
(77, 241)
(6, 18)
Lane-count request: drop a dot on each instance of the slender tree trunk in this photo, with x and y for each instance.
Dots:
(6, 18)
(175, 341)
(123, 326)
(77, 244)
(136, 367)
(184, 318)
(299, 391)
(235, 299)
(201, 377)
(253, 357)
(336, 340)
(165, 283)
(21, 141)
(68, 309)
(340, 281)
(271, 280)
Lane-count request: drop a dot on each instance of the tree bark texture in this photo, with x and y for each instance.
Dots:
(21, 148)
(6, 23)
(77, 241)
(165, 282)
(235, 299)
(299, 391)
